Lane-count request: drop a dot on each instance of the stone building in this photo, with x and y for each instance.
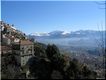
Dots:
(24, 49)
(27, 50)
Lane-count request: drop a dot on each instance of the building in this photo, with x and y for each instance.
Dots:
(14, 45)
(27, 50)
(5, 50)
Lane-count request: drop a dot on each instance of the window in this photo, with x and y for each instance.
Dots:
(22, 48)
(23, 62)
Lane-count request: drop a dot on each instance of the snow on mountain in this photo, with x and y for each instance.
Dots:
(50, 33)
(60, 34)
(65, 33)
(39, 34)
(56, 32)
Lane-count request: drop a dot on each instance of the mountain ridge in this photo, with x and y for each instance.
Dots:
(64, 34)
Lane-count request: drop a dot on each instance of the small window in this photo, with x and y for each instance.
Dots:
(22, 48)
(23, 61)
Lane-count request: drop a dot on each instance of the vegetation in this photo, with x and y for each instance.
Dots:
(9, 67)
(63, 66)
(40, 50)
(47, 63)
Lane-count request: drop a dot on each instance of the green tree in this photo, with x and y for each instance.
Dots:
(40, 50)
(52, 51)
(57, 60)
(40, 68)
(73, 70)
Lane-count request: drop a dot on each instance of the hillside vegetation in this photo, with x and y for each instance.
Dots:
(50, 63)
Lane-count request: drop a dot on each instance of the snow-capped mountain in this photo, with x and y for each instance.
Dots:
(50, 33)
(85, 38)
(64, 34)
(39, 34)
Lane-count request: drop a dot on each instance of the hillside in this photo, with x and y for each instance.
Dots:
(23, 58)
(85, 48)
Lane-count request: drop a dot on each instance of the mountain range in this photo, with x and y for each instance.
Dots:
(63, 34)
(81, 38)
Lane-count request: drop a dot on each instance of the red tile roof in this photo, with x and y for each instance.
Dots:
(26, 42)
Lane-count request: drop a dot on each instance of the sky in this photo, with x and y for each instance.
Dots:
(0, 9)
(47, 16)
(53, 0)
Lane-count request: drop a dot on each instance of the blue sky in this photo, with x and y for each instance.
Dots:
(46, 16)
(0, 9)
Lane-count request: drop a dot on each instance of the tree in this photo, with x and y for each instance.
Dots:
(40, 68)
(52, 51)
(88, 74)
(101, 43)
(39, 50)
(57, 60)
(73, 70)
(85, 72)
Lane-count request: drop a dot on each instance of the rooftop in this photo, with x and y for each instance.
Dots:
(26, 42)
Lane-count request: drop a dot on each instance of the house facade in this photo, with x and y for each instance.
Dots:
(27, 51)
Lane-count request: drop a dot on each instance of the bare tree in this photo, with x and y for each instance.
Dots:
(102, 33)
